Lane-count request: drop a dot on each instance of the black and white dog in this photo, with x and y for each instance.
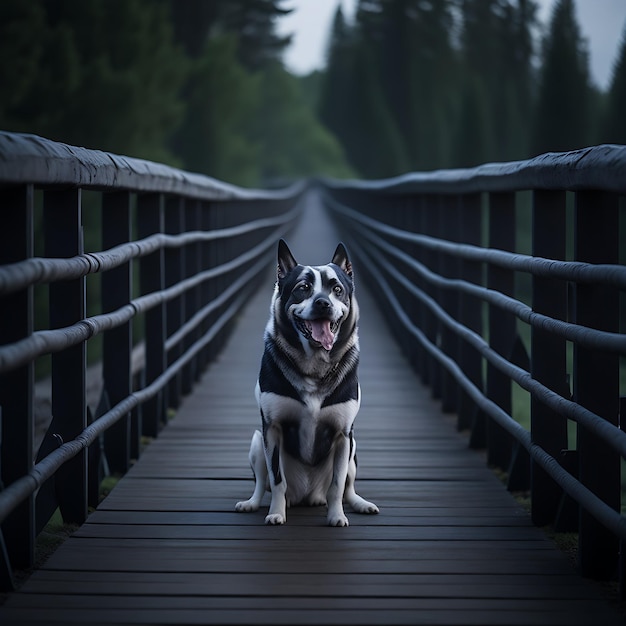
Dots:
(308, 392)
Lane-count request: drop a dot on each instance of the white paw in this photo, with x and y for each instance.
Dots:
(368, 507)
(246, 506)
(359, 505)
(338, 520)
(275, 519)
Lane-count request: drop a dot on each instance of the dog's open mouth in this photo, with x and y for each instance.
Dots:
(321, 331)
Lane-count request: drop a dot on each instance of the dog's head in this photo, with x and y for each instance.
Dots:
(314, 304)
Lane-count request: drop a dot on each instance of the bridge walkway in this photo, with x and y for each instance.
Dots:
(450, 545)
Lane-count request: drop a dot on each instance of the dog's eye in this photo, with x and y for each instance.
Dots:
(338, 290)
(304, 286)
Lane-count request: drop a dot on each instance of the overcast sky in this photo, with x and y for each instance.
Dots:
(601, 21)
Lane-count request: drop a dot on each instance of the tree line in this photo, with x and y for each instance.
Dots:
(454, 83)
(409, 85)
(197, 84)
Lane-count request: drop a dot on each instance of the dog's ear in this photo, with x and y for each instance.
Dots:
(340, 258)
(286, 261)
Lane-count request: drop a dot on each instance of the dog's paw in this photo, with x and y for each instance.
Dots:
(338, 520)
(275, 519)
(360, 505)
(247, 506)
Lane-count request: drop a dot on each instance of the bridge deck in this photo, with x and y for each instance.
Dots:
(450, 545)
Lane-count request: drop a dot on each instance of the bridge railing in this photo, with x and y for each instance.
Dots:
(176, 255)
(505, 285)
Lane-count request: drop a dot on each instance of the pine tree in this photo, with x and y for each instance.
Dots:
(417, 72)
(376, 148)
(336, 100)
(253, 21)
(614, 130)
(215, 137)
(474, 134)
(22, 32)
(118, 94)
(497, 51)
(562, 116)
(282, 115)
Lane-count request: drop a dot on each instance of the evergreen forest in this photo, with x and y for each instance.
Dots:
(409, 85)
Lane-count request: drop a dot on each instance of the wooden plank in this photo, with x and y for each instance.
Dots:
(559, 615)
(326, 584)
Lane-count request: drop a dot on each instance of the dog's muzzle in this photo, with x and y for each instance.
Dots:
(318, 331)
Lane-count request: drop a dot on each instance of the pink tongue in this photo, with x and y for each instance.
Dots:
(320, 331)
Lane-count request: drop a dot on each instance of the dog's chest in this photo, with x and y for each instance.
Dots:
(308, 442)
(308, 429)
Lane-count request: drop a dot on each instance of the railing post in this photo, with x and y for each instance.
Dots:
(63, 236)
(449, 300)
(117, 342)
(426, 257)
(433, 326)
(596, 377)
(193, 297)
(174, 265)
(416, 309)
(208, 286)
(471, 316)
(501, 324)
(16, 387)
(548, 366)
(152, 278)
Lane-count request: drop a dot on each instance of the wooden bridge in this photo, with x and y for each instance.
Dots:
(450, 545)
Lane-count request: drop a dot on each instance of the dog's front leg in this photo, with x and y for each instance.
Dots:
(256, 456)
(336, 516)
(278, 485)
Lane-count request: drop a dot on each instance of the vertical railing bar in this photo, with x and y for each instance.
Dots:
(416, 310)
(431, 325)
(150, 220)
(596, 377)
(501, 325)
(470, 315)
(63, 237)
(193, 264)
(174, 266)
(208, 261)
(17, 387)
(449, 223)
(548, 366)
(117, 343)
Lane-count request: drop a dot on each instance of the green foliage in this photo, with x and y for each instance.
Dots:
(497, 52)
(614, 129)
(459, 82)
(221, 97)
(563, 112)
(199, 84)
(292, 142)
(354, 108)
(83, 86)
(195, 84)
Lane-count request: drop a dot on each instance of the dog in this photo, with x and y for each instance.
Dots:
(308, 393)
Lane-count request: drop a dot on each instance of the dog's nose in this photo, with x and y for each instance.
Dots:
(322, 305)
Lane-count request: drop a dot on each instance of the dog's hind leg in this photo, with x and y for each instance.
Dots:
(357, 504)
(257, 462)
